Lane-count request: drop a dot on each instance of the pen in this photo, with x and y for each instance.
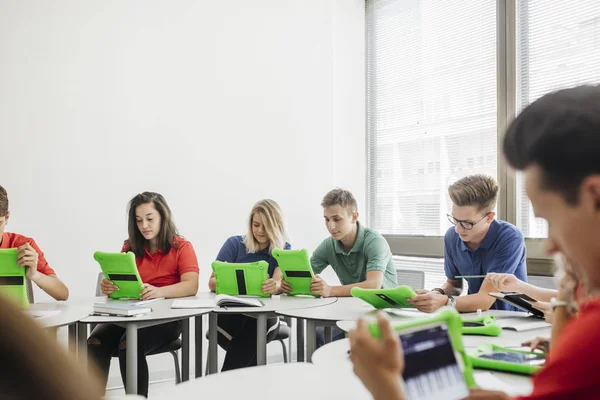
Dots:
(470, 276)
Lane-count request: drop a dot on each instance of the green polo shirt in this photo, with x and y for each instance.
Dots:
(370, 252)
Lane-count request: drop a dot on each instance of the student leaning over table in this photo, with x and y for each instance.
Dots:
(555, 141)
(168, 267)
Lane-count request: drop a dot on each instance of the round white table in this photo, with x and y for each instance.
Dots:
(294, 381)
(161, 314)
(272, 306)
(334, 356)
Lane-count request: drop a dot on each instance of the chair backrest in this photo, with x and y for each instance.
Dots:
(411, 277)
(98, 282)
(29, 290)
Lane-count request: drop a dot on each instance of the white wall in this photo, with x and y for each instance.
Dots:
(215, 104)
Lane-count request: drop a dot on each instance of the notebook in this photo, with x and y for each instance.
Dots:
(120, 309)
(520, 324)
(225, 300)
(194, 303)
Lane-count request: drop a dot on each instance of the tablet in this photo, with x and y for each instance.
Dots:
(241, 278)
(519, 300)
(385, 298)
(485, 326)
(490, 356)
(436, 365)
(296, 270)
(120, 269)
(13, 283)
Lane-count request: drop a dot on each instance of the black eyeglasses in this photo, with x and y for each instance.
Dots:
(465, 224)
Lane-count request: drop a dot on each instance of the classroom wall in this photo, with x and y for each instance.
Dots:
(215, 104)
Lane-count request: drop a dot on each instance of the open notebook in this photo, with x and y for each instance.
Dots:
(221, 300)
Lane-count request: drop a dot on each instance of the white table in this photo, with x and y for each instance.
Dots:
(272, 306)
(68, 314)
(345, 308)
(508, 338)
(161, 314)
(334, 357)
(293, 381)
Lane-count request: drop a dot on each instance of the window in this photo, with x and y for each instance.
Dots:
(558, 46)
(432, 267)
(431, 108)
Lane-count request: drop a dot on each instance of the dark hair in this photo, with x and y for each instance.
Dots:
(137, 243)
(3, 202)
(560, 132)
(34, 367)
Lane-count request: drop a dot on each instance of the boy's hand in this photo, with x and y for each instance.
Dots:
(285, 286)
(539, 343)
(504, 282)
(319, 286)
(378, 363)
(269, 286)
(108, 287)
(427, 301)
(28, 258)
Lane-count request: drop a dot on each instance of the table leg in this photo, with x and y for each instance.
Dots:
(261, 339)
(199, 334)
(299, 340)
(132, 359)
(213, 362)
(185, 350)
(327, 332)
(311, 338)
(72, 339)
(82, 343)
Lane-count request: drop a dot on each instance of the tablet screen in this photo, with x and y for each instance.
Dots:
(431, 368)
(517, 358)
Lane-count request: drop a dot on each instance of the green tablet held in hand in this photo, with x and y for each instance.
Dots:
(121, 269)
(13, 283)
(385, 298)
(296, 270)
(241, 278)
(490, 356)
(485, 326)
(436, 365)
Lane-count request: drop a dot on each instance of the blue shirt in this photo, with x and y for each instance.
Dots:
(502, 250)
(234, 251)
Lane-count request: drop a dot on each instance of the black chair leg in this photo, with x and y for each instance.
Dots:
(285, 354)
(177, 370)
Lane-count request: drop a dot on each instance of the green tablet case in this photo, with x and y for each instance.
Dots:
(385, 298)
(485, 363)
(13, 283)
(452, 319)
(485, 326)
(120, 269)
(296, 270)
(241, 279)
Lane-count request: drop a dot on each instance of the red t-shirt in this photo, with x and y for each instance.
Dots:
(14, 240)
(161, 269)
(573, 367)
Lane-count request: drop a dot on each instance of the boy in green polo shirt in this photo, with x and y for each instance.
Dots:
(359, 256)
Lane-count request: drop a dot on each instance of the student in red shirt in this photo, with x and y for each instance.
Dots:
(30, 256)
(555, 141)
(168, 267)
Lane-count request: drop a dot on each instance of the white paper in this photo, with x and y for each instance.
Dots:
(194, 303)
(522, 323)
(330, 277)
(519, 386)
(43, 313)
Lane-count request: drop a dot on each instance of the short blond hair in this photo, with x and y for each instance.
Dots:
(480, 191)
(272, 219)
(341, 197)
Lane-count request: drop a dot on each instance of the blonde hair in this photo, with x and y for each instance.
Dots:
(480, 191)
(341, 197)
(272, 219)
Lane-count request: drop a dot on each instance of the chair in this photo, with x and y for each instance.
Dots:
(410, 277)
(283, 333)
(172, 347)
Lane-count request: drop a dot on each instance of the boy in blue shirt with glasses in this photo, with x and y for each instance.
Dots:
(477, 244)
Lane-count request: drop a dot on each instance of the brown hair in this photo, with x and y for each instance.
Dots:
(168, 231)
(340, 197)
(480, 191)
(3, 202)
(34, 366)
